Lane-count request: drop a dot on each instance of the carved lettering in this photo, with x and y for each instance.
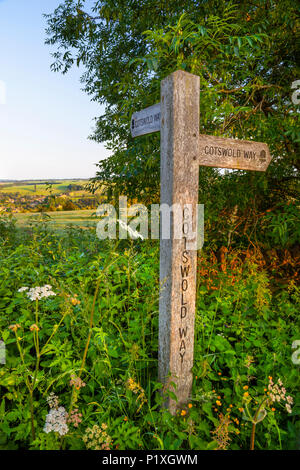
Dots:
(185, 270)
(184, 285)
(182, 332)
(183, 312)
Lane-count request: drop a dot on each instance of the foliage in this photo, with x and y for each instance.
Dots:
(92, 355)
(245, 55)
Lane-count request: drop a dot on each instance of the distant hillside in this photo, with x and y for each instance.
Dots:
(42, 195)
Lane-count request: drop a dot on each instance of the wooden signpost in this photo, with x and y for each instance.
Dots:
(146, 121)
(183, 150)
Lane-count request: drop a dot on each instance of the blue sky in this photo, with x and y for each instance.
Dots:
(45, 118)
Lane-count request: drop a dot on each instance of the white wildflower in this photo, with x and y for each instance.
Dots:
(38, 293)
(22, 289)
(290, 400)
(288, 408)
(56, 420)
(277, 392)
(53, 400)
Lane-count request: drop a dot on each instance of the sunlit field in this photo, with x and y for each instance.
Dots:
(39, 188)
(60, 219)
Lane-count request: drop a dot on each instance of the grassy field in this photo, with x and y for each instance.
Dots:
(61, 219)
(39, 188)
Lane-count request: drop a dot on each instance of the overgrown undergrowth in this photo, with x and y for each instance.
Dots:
(81, 365)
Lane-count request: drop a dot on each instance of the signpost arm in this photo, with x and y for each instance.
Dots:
(179, 185)
(182, 151)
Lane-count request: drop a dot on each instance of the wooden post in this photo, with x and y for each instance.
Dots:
(179, 185)
(182, 151)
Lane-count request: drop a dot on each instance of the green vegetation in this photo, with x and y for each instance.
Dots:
(81, 336)
(59, 220)
(92, 347)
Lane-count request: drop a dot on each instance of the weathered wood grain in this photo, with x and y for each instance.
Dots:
(145, 121)
(237, 154)
(179, 185)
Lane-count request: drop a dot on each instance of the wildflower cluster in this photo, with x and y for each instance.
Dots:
(14, 327)
(77, 382)
(218, 401)
(56, 420)
(96, 438)
(74, 418)
(184, 412)
(277, 393)
(75, 301)
(52, 400)
(221, 433)
(236, 420)
(138, 390)
(34, 327)
(38, 293)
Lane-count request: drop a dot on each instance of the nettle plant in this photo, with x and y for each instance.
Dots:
(89, 364)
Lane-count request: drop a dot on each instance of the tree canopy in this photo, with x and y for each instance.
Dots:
(246, 54)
